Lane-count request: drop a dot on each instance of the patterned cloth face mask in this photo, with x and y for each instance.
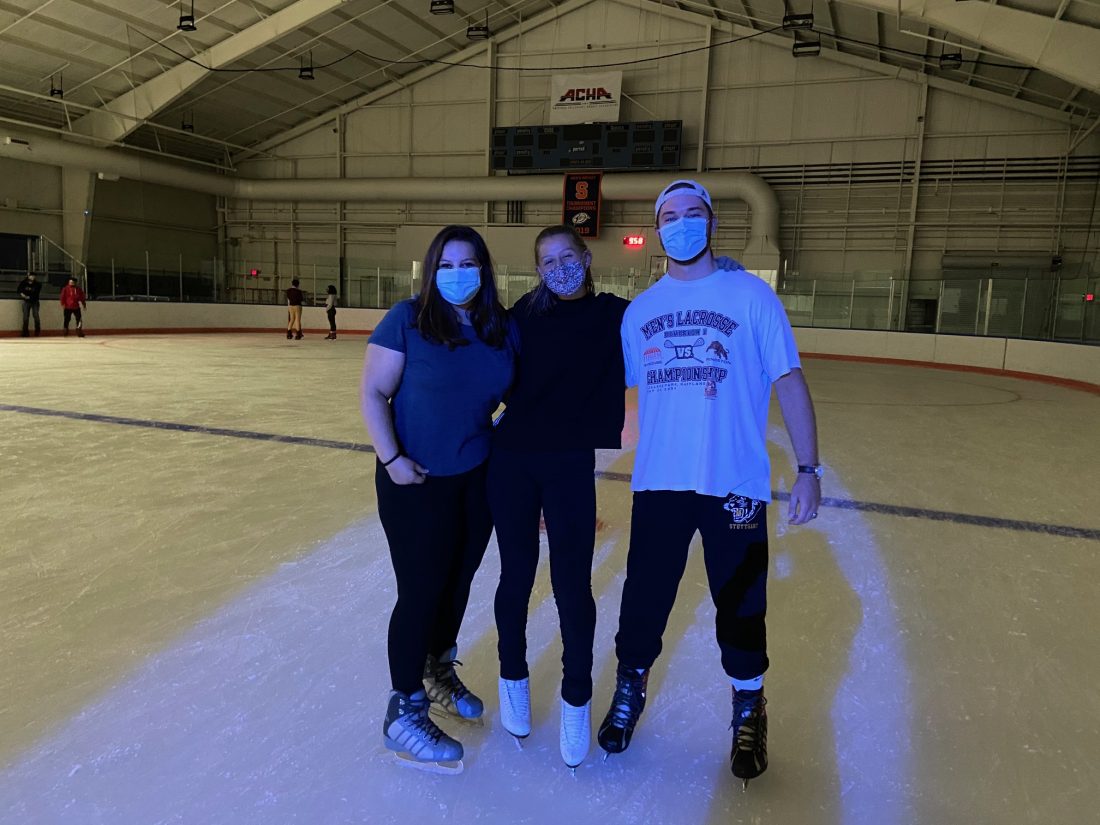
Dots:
(684, 239)
(457, 286)
(565, 279)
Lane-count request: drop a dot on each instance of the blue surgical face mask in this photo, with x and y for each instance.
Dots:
(684, 239)
(566, 278)
(457, 286)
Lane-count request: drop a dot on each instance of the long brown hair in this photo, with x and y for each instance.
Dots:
(435, 317)
(542, 297)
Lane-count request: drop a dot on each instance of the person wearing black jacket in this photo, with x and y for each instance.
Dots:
(567, 401)
(30, 290)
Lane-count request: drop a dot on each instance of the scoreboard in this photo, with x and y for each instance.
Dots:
(651, 144)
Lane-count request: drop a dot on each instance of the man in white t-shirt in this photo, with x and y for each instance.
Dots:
(705, 346)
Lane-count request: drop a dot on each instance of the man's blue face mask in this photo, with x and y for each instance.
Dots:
(684, 239)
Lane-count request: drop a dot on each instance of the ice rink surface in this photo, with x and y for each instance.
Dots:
(195, 594)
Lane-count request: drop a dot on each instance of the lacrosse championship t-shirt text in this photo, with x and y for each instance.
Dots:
(704, 355)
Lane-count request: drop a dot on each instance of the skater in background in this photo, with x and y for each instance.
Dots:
(330, 311)
(72, 299)
(294, 311)
(711, 475)
(30, 291)
(568, 401)
(436, 368)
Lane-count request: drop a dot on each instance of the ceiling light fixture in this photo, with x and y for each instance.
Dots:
(305, 71)
(187, 21)
(951, 60)
(476, 31)
(442, 7)
(57, 86)
(798, 21)
(806, 48)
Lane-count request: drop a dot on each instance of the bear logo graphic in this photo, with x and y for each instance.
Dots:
(718, 350)
(742, 509)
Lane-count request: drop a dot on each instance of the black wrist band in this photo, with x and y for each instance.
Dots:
(388, 463)
(811, 469)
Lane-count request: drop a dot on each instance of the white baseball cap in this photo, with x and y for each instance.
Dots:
(682, 187)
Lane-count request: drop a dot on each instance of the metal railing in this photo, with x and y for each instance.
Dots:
(50, 258)
(1044, 308)
(1045, 305)
(110, 282)
(380, 286)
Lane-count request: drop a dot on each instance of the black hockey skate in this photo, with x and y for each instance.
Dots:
(415, 739)
(447, 692)
(749, 754)
(626, 707)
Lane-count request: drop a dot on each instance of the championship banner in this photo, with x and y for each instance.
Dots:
(580, 207)
(585, 98)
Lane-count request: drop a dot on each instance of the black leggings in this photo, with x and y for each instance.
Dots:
(69, 313)
(562, 486)
(735, 552)
(332, 319)
(437, 533)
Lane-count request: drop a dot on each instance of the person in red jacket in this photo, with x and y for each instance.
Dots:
(72, 299)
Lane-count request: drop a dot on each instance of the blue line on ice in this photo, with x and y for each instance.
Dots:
(1063, 530)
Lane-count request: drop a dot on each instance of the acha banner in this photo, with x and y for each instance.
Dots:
(585, 98)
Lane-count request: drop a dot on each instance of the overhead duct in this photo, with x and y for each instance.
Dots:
(36, 147)
(46, 149)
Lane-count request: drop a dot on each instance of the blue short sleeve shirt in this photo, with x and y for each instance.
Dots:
(442, 410)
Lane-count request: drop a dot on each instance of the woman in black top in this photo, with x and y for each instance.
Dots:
(567, 401)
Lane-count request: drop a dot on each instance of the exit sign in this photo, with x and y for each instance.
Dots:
(634, 240)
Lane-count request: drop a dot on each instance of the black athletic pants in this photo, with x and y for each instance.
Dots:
(562, 487)
(332, 319)
(437, 532)
(735, 552)
(69, 313)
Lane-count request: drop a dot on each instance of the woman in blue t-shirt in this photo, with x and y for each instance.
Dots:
(437, 367)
